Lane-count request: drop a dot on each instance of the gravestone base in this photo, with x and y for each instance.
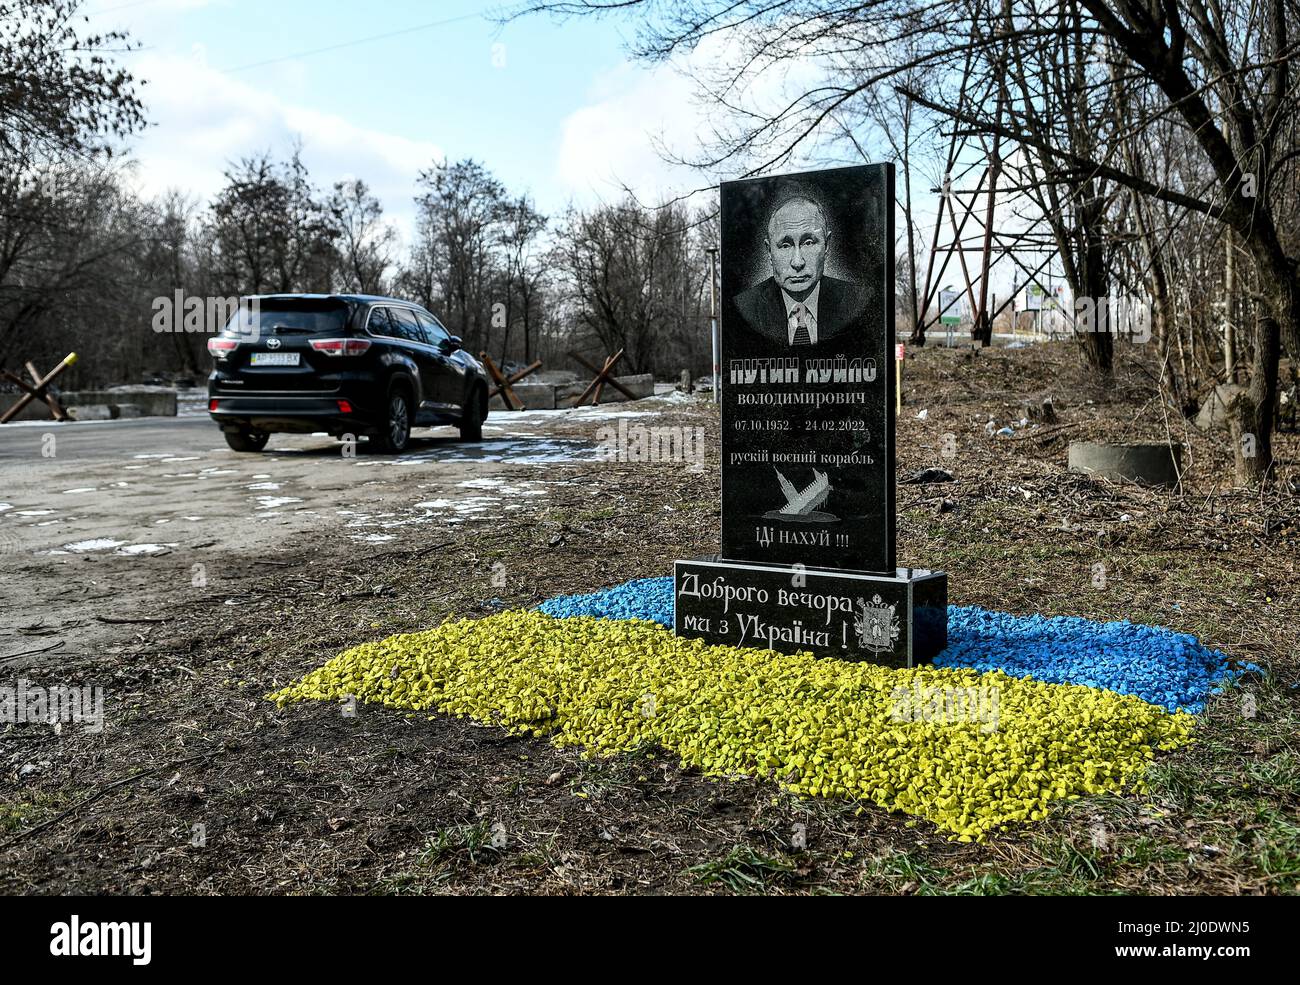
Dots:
(898, 621)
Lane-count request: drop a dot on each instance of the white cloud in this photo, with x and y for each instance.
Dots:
(618, 138)
(203, 120)
(636, 114)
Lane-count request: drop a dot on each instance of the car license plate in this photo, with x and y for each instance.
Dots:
(274, 359)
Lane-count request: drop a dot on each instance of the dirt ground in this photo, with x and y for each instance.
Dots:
(198, 785)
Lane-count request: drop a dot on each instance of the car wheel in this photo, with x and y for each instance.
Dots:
(247, 440)
(396, 431)
(471, 421)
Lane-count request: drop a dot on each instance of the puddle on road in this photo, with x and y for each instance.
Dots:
(550, 451)
(513, 450)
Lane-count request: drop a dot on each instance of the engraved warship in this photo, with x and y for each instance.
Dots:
(804, 505)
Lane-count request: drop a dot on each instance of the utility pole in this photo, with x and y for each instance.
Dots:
(713, 317)
(1230, 310)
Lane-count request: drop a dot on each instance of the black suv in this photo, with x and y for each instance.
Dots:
(344, 364)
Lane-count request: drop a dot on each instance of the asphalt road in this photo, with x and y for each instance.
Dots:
(91, 440)
(153, 484)
(122, 511)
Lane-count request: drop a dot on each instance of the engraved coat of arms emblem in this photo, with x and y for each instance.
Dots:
(876, 625)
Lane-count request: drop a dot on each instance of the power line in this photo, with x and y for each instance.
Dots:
(354, 42)
(121, 6)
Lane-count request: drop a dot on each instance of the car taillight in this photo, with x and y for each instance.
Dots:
(345, 407)
(221, 348)
(341, 347)
(212, 405)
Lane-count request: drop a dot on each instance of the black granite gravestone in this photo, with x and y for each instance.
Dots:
(807, 405)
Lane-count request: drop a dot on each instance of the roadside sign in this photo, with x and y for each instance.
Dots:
(949, 307)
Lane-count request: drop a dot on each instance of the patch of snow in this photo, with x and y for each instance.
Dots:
(274, 502)
(501, 486)
(98, 544)
(675, 396)
(470, 504)
(594, 414)
(523, 450)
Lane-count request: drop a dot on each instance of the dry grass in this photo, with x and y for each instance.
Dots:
(308, 800)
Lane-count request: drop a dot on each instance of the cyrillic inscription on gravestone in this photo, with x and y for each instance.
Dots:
(808, 385)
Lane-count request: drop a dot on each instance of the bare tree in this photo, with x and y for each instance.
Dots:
(522, 227)
(1219, 70)
(365, 241)
(60, 93)
(62, 103)
(461, 207)
(628, 273)
(272, 233)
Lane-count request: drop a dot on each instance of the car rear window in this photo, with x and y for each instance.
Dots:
(301, 317)
(380, 323)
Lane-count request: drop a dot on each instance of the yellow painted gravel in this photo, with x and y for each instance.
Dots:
(968, 751)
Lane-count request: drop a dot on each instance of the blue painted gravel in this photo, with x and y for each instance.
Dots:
(644, 598)
(1158, 665)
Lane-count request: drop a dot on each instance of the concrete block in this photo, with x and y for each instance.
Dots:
(150, 402)
(91, 412)
(534, 396)
(1154, 464)
(642, 385)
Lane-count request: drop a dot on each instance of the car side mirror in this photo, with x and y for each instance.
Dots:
(454, 343)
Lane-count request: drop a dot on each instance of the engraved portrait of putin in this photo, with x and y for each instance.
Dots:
(799, 304)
